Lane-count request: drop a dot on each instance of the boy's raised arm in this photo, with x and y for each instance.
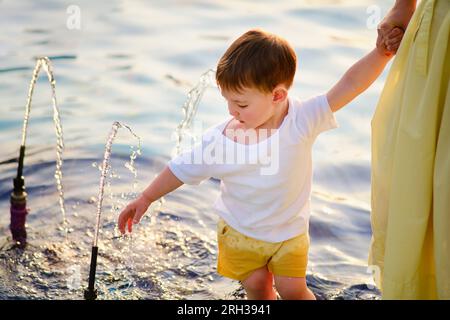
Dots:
(364, 72)
(357, 79)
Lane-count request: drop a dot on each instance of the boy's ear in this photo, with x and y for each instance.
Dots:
(279, 94)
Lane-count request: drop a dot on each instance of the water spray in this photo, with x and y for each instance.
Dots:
(190, 106)
(189, 110)
(19, 196)
(91, 293)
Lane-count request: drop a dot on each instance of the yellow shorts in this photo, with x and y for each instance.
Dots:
(240, 255)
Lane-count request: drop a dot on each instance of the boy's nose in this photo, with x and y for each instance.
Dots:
(232, 112)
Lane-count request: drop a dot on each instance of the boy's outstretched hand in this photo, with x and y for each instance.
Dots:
(388, 41)
(164, 183)
(133, 213)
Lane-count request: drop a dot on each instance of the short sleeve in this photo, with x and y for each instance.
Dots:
(314, 116)
(190, 166)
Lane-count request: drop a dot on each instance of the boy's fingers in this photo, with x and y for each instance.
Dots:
(393, 48)
(130, 225)
(393, 45)
(138, 216)
(123, 218)
(385, 29)
(394, 37)
(395, 32)
(121, 223)
(391, 41)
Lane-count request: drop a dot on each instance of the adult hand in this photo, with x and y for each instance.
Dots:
(388, 45)
(399, 16)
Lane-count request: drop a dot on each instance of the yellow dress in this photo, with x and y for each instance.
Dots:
(411, 163)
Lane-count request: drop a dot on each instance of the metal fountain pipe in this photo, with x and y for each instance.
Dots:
(91, 293)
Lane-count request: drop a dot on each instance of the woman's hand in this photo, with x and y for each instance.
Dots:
(388, 45)
(398, 17)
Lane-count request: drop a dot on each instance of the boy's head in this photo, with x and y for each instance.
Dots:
(254, 75)
(257, 60)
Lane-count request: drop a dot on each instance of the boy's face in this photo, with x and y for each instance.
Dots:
(251, 107)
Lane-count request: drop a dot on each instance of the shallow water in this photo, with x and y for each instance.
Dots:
(135, 62)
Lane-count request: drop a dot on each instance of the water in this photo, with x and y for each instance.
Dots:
(190, 108)
(45, 62)
(106, 168)
(136, 63)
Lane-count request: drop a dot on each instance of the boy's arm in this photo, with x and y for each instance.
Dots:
(164, 183)
(357, 79)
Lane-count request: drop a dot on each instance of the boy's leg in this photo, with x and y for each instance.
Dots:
(259, 285)
(292, 288)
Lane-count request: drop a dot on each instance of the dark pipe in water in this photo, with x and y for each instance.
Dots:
(18, 205)
(90, 293)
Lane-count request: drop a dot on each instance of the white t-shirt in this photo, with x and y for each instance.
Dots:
(265, 187)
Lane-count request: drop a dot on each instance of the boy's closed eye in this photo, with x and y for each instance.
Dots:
(242, 106)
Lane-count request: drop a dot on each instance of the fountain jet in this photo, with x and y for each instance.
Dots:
(19, 196)
(91, 293)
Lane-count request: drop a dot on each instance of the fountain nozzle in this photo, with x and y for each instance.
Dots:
(90, 294)
(18, 205)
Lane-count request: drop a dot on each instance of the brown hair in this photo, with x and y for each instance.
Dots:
(259, 60)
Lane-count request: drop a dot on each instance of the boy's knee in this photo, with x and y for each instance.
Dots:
(259, 280)
(293, 288)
